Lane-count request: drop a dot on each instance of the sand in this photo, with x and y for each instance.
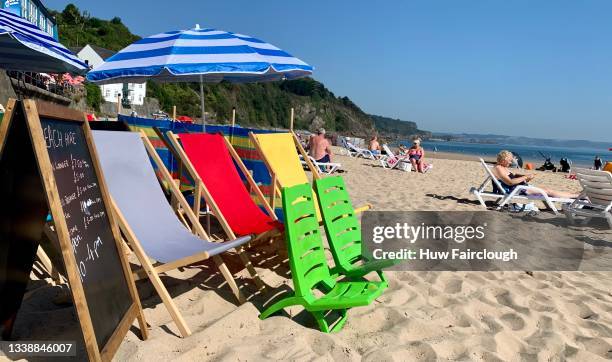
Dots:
(423, 316)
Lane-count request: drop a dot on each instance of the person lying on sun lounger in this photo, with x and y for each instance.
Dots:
(509, 180)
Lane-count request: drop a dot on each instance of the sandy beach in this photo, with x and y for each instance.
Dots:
(423, 316)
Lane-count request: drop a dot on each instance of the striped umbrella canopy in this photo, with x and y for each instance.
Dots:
(199, 55)
(26, 48)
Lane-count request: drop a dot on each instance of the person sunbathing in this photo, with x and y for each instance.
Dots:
(320, 147)
(374, 146)
(509, 181)
(416, 153)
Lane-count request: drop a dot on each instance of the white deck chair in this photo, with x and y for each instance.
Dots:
(325, 167)
(392, 160)
(345, 149)
(363, 152)
(504, 197)
(596, 195)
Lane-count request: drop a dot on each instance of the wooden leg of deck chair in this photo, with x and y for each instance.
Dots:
(247, 263)
(166, 298)
(163, 293)
(46, 263)
(229, 278)
(273, 191)
(55, 274)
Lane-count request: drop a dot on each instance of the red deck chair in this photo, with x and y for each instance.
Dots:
(208, 159)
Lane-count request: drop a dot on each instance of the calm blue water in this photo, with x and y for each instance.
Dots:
(579, 156)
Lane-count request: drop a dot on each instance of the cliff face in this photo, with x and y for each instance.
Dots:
(267, 105)
(398, 129)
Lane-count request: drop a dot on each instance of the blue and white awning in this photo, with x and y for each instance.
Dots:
(26, 48)
(196, 55)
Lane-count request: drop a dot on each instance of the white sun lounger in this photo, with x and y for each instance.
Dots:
(596, 196)
(325, 167)
(363, 152)
(504, 197)
(392, 160)
(346, 149)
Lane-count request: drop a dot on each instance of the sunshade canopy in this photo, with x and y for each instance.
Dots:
(26, 48)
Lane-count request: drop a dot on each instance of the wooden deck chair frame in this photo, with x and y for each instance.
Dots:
(54, 272)
(276, 186)
(504, 197)
(153, 272)
(201, 191)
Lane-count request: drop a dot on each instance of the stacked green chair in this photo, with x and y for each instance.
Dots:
(309, 267)
(344, 232)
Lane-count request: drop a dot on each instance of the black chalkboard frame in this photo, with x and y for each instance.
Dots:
(33, 111)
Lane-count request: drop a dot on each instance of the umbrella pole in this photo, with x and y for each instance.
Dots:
(202, 103)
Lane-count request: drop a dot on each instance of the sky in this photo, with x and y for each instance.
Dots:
(523, 68)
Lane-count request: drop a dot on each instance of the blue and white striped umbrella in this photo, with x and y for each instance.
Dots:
(195, 55)
(26, 48)
(199, 55)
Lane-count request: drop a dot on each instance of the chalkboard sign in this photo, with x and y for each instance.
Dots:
(97, 258)
(100, 280)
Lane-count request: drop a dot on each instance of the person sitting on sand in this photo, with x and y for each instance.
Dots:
(509, 181)
(416, 154)
(320, 148)
(374, 146)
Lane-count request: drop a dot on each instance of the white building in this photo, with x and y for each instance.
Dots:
(93, 56)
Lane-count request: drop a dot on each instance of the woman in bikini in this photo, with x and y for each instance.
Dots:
(416, 153)
(509, 181)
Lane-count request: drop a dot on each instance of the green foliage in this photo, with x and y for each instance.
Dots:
(94, 96)
(79, 29)
(307, 87)
(397, 126)
(180, 94)
(259, 104)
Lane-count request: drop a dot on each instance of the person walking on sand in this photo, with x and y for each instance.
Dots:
(320, 148)
(374, 146)
(509, 181)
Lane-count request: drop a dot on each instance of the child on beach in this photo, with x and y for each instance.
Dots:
(509, 181)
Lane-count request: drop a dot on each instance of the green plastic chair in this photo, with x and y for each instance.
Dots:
(344, 231)
(309, 268)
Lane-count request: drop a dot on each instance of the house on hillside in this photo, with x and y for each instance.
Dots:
(134, 93)
(33, 11)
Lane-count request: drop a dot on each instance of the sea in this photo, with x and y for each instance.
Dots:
(582, 157)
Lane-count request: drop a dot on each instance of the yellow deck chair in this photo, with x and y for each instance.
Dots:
(279, 152)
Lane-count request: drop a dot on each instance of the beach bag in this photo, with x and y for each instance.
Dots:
(530, 208)
(405, 166)
(529, 166)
